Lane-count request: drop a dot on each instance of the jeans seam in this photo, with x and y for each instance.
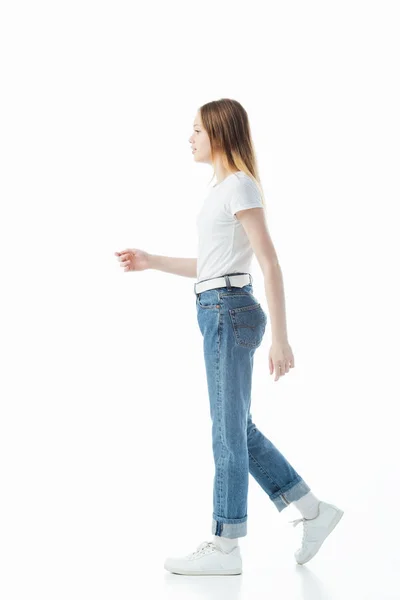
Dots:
(219, 416)
(262, 470)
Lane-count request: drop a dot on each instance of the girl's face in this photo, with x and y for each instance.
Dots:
(200, 142)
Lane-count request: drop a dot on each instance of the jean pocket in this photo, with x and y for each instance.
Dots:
(248, 324)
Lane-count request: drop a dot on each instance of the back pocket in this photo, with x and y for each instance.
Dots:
(248, 324)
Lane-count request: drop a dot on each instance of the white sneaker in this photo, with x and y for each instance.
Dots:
(208, 559)
(316, 530)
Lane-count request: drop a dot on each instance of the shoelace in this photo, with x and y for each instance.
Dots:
(297, 521)
(311, 538)
(202, 548)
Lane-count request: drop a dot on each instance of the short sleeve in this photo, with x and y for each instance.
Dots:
(245, 195)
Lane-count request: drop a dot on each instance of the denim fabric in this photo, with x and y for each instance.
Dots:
(232, 323)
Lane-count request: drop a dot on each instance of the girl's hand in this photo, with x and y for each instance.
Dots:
(133, 259)
(281, 359)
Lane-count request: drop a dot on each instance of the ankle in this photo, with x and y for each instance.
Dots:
(225, 544)
(308, 505)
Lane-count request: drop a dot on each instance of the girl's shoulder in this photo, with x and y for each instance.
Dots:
(243, 179)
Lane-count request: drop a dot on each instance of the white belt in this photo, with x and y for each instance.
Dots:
(229, 280)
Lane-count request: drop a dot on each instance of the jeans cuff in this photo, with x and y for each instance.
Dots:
(229, 528)
(288, 494)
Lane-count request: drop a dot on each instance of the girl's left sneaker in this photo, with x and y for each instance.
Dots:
(208, 559)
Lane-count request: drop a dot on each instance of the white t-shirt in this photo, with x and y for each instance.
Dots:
(223, 246)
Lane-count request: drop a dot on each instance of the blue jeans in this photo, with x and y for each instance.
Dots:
(232, 323)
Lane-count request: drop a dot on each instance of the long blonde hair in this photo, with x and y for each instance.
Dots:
(227, 125)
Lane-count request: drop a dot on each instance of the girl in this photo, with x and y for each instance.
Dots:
(231, 228)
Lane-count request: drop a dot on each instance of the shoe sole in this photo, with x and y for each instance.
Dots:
(335, 521)
(226, 572)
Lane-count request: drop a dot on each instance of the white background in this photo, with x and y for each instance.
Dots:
(105, 436)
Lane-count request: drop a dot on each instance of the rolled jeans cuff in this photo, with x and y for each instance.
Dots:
(288, 494)
(229, 528)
